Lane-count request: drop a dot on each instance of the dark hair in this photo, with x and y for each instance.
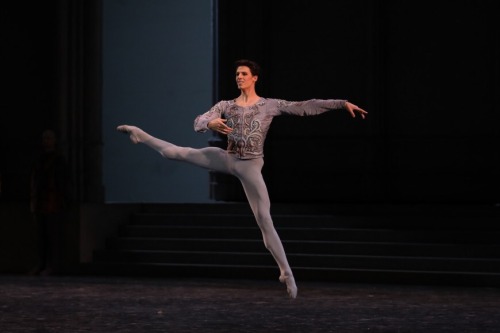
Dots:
(254, 67)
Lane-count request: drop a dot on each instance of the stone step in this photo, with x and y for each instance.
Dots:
(452, 250)
(487, 265)
(401, 244)
(305, 233)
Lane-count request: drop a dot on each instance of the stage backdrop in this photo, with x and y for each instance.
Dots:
(157, 74)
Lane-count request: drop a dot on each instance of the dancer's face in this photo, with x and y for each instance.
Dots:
(244, 77)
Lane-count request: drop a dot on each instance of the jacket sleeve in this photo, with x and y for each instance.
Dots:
(202, 120)
(310, 107)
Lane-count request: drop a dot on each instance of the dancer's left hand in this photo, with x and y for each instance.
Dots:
(352, 108)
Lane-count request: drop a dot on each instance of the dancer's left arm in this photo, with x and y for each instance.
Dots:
(318, 106)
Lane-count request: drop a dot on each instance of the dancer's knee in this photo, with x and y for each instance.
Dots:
(165, 153)
(264, 219)
(172, 153)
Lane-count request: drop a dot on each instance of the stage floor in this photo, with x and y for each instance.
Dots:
(70, 304)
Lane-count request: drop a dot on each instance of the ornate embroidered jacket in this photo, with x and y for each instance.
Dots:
(250, 124)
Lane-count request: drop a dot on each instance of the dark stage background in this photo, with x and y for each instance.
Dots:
(427, 72)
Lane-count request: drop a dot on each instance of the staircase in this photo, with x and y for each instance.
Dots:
(417, 244)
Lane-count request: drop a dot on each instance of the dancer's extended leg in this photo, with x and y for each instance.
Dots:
(212, 158)
(249, 173)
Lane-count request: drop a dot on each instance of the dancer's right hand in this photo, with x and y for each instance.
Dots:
(219, 125)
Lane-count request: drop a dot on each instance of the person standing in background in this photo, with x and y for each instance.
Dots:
(50, 193)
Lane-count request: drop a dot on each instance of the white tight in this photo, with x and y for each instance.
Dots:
(249, 172)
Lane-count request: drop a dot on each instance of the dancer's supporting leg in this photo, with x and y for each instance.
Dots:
(250, 175)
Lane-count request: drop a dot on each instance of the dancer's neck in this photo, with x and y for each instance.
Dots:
(247, 97)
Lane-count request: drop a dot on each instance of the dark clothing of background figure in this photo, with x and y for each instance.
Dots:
(49, 201)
